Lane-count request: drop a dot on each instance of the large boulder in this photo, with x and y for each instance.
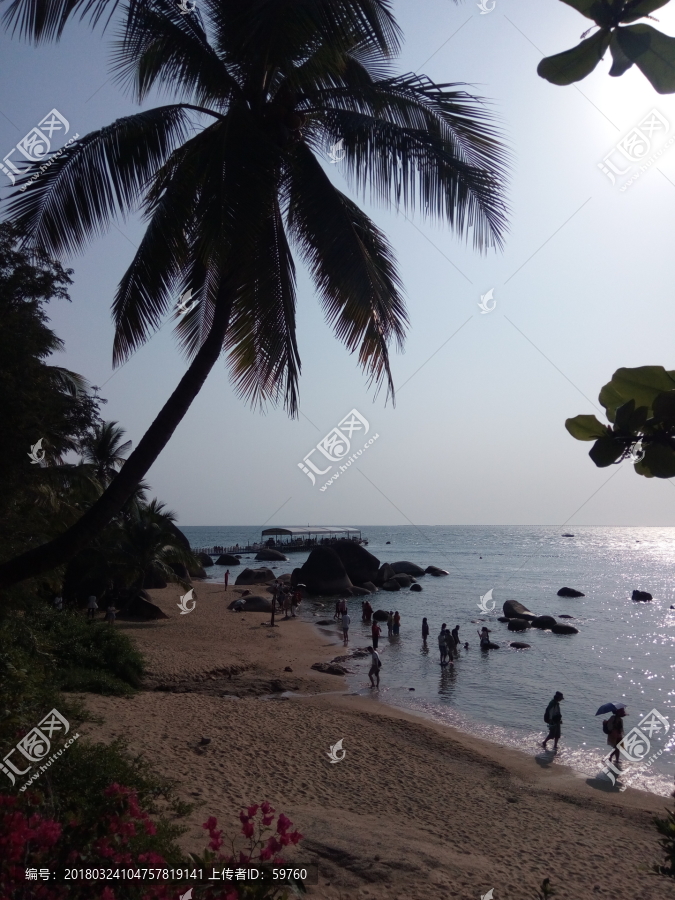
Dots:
(515, 610)
(226, 559)
(644, 596)
(407, 568)
(542, 622)
(416, 587)
(380, 615)
(359, 591)
(391, 585)
(269, 554)
(403, 579)
(252, 603)
(569, 592)
(434, 570)
(154, 579)
(559, 628)
(330, 668)
(384, 573)
(205, 560)
(323, 573)
(141, 607)
(518, 624)
(360, 565)
(255, 576)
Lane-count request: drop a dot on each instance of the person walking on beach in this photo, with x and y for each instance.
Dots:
(375, 632)
(614, 730)
(425, 631)
(443, 644)
(390, 623)
(227, 577)
(553, 718)
(375, 666)
(92, 606)
(346, 621)
(287, 601)
(397, 622)
(296, 597)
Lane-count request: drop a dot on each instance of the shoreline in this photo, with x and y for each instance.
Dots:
(414, 807)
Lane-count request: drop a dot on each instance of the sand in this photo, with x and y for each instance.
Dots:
(415, 810)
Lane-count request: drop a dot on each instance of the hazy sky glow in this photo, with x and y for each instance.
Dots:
(477, 436)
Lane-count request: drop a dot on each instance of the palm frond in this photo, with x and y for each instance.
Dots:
(352, 265)
(70, 382)
(44, 20)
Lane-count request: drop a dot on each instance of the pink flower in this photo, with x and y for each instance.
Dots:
(150, 827)
(210, 823)
(107, 894)
(243, 817)
(265, 854)
(283, 824)
(248, 830)
(252, 810)
(266, 807)
(244, 858)
(295, 836)
(267, 820)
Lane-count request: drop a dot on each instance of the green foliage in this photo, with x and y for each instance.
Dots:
(640, 407)
(666, 827)
(641, 45)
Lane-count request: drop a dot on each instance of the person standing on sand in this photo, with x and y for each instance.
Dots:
(92, 606)
(110, 614)
(615, 732)
(375, 632)
(425, 631)
(227, 578)
(553, 718)
(397, 622)
(442, 644)
(346, 621)
(375, 666)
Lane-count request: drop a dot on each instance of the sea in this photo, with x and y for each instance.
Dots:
(623, 652)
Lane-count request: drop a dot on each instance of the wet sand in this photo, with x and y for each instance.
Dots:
(415, 810)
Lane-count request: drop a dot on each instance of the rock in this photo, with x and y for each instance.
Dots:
(226, 559)
(330, 668)
(407, 568)
(434, 570)
(518, 624)
(503, 619)
(360, 565)
(416, 587)
(384, 573)
(269, 554)
(369, 586)
(404, 580)
(389, 542)
(255, 576)
(391, 585)
(205, 560)
(252, 603)
(359, 591)
(565, 616)
(323, 573)
(569, 592)
(643, 596)
(519, 645)
(559, 628)
(543, 622)
(153, 579)
(326, 622)
(205, 741)
(380, 615)
(287, 669)
(515, 610)
(143, 608)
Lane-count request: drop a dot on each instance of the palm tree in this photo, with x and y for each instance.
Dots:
(228, 178)
(104, 452)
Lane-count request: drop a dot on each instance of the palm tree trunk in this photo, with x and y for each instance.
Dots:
(62, 548)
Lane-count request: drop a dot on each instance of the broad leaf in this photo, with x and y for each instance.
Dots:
(644, 8)
(606, 451)
(664, 408)
(621, 63)
(659, 462)
(574, 65)
(652, 52)
(588, 8)
(641, 384)
(586, 428)
(623, 415)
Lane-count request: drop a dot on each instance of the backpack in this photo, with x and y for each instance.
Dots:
(547, 715)
(605, 726)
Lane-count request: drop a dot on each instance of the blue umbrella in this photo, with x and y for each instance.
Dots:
(610, 707)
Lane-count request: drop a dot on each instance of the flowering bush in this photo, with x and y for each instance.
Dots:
(123, 837)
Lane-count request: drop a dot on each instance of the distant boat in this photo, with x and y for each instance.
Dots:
(567, 534)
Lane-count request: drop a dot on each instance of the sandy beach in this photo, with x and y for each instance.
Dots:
(414, 810)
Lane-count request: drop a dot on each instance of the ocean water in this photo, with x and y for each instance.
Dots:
(623, 652)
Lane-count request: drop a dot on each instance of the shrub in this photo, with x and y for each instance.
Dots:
(666, 827)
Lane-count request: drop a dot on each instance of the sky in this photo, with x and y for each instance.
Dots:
(477, 437)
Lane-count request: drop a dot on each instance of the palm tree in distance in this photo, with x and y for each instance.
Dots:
(228, 178)
(104, 452)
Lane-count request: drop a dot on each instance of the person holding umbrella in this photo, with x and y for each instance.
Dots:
(613, 727)
(553, 718)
